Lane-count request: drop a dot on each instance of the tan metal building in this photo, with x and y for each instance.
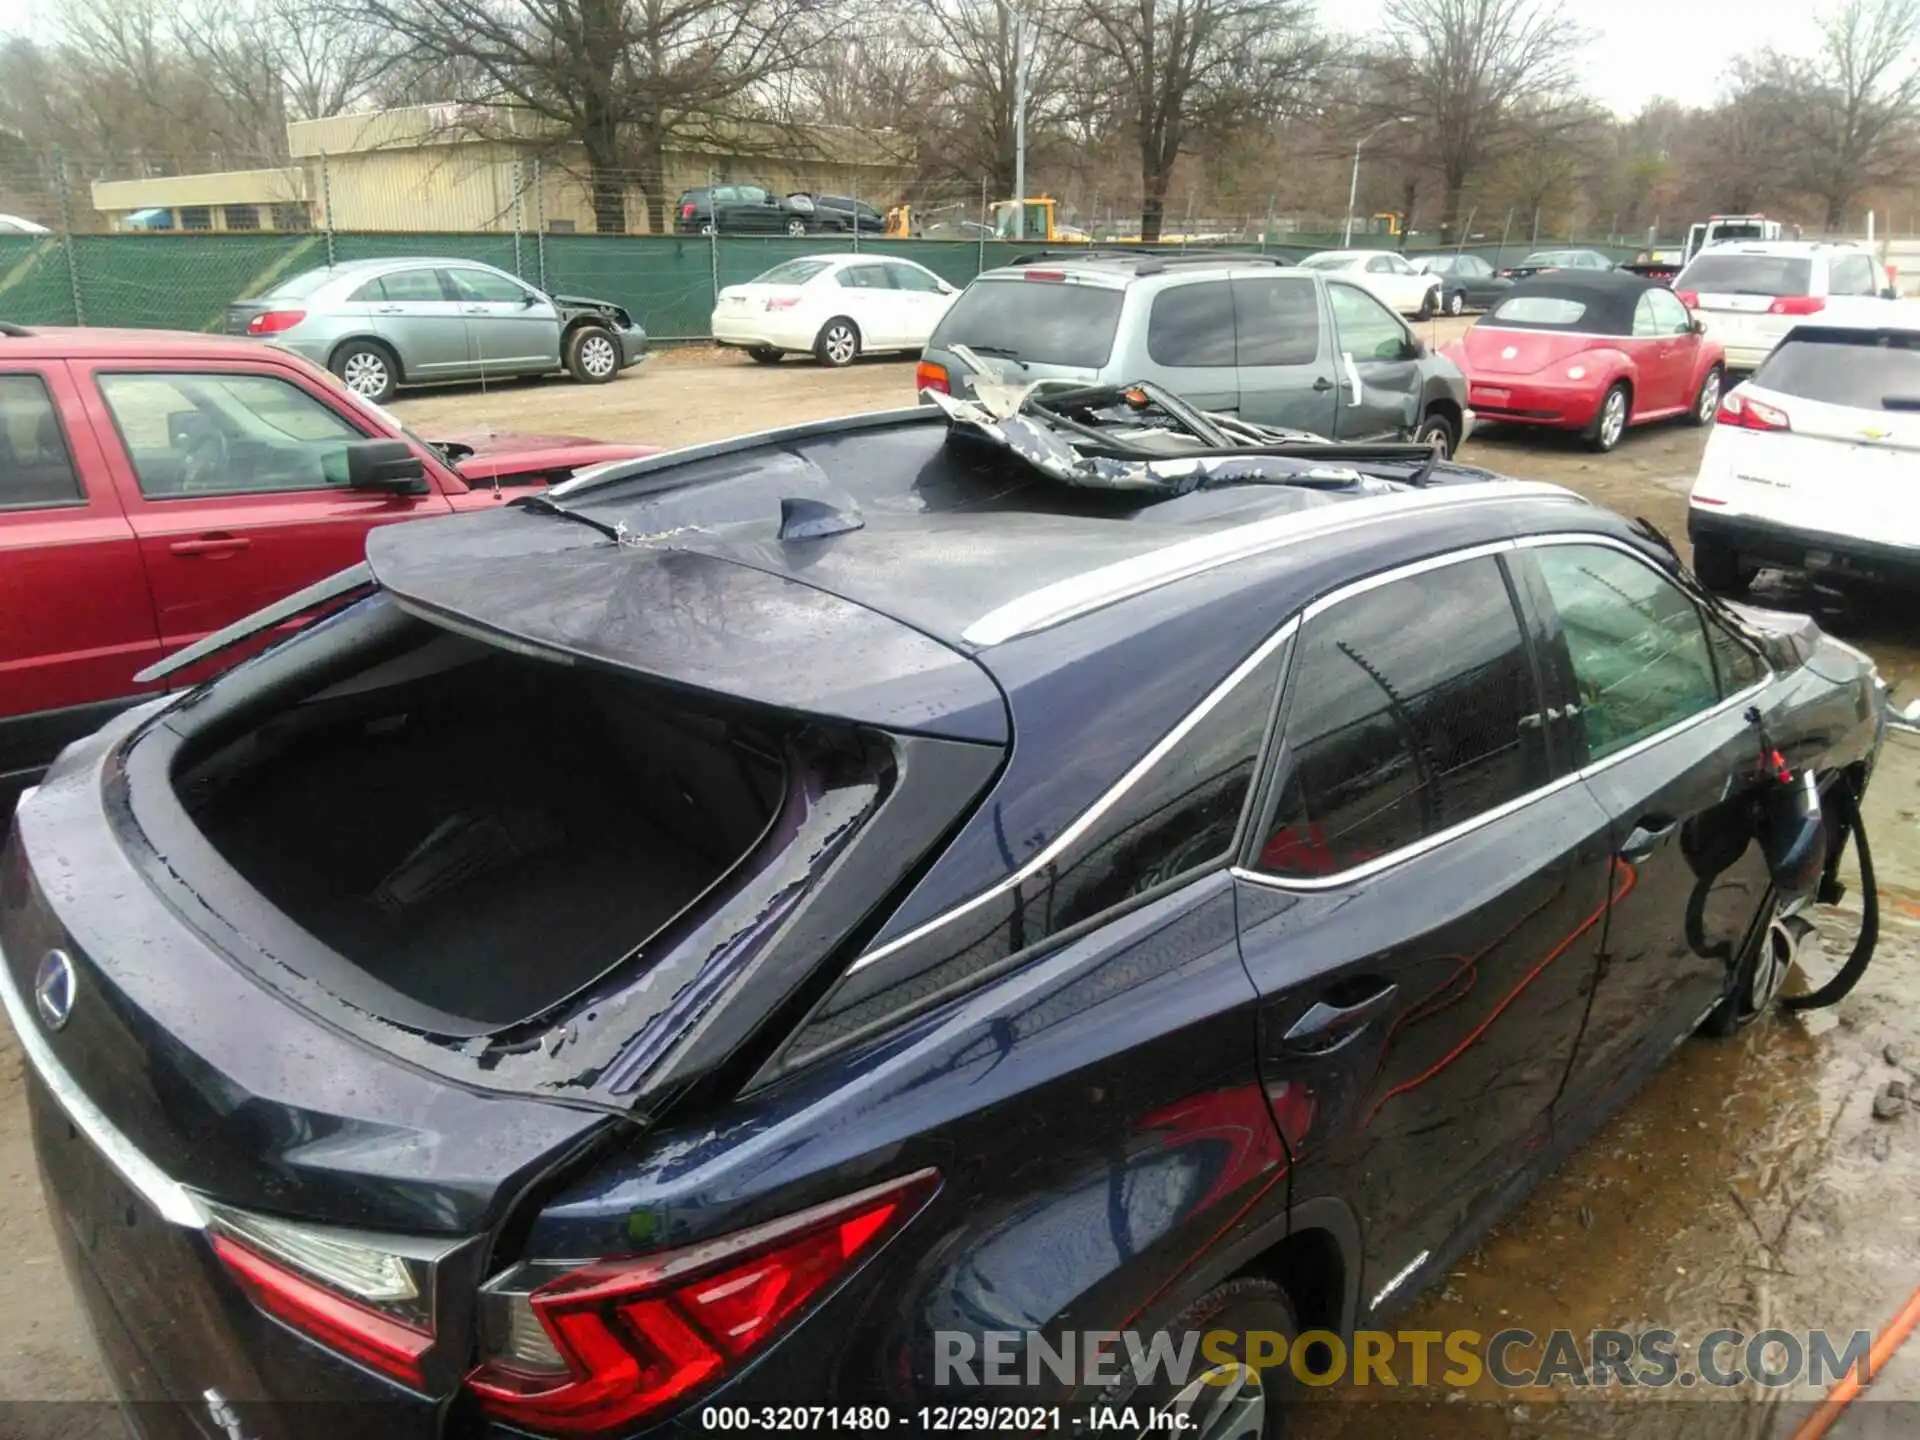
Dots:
(470, 168)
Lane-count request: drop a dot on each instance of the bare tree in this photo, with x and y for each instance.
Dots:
(1464, 72)
(1178, 71)
(625, 79)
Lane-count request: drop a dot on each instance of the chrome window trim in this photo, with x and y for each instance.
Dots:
(1124, 579)
(1087, 818)
(1311, 884)
(174, 1202)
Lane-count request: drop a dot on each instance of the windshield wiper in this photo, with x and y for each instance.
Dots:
(541, 505)
(999, 352)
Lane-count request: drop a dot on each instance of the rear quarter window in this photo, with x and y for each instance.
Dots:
(1044, 322)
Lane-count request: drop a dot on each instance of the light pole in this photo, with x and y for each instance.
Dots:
(1019, 24)
(1353, 186)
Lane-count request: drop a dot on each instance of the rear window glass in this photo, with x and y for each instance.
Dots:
(1327, 262)
(1043, 322)
(793, 272)
(1748, 275)
(1867, 373)
(300, 286)
(1546, 310)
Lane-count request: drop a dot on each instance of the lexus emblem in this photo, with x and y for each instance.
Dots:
(53, 988)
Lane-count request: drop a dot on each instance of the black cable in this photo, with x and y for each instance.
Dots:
(1848, 976)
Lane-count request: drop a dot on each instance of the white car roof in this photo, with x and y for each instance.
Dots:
(1793, 249)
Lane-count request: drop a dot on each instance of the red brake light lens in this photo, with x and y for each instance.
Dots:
(1688, 298)
(624, 1338)
(377, 1341)
(782, 302)
(1045, 274)
(1746, 413)
(272, 322)
(929, 376)
(1798, 305)
(686, 211)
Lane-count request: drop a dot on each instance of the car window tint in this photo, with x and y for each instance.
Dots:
(368, 294)
(1473, 265)
(1042, 322)
(1278, 321)
(1379, 265)
(912, 277)
(412, 285)
(486, 287)
(1550, 311)
(1192, 325)
(1409, 713)
(1669, 314)
(1862, 368)
(35, 470)
(751, 195)
(1367, 329)
(1747, 275)
(791, 272)
(1638, 647)
(1851, 275)
(226, 434)
(865, 277)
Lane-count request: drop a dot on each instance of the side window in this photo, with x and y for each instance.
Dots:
(412, 285)
(865, 277)
(1379, 265)
(1734, 663)
(483, 286)
(1669, 314)
(190, 436)
(35, 471)
(1414, 709)
(1368, 330)
(371, 293)
(1645, 322)
(1638, 647)
(1398, 266)
(1851, 275)
(1191, 326)
(1278, 321)
(1474, 267)
(909, 277)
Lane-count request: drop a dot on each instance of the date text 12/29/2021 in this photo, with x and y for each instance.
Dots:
(997, 1420)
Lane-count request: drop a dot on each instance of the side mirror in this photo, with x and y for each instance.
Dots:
(1890, 293)
(528, 299)
(1699, 327)
(389, 467)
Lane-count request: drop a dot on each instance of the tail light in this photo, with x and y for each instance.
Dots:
(930, 376)
(601, 1346)
(1045, 274)
(1688, 298)
(272, 322)
(368, 1302)
(1798, 305)
(782, 302)
(686, 211)
(1746, 413)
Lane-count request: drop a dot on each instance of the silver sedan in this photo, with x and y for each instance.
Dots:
(380, 324)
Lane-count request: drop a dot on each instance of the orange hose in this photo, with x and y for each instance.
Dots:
(1848, 1389)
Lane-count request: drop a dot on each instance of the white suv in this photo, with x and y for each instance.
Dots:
(1752, 293)
(1814, 464)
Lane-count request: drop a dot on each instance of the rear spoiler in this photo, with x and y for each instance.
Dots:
(334, 587)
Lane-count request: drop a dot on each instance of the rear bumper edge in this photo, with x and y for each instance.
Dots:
(1767, 542)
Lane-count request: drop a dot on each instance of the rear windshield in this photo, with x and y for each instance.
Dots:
(1327, 262)
(1868, 372)
(1747, 275)
(300, 286)
(1547, 311)
(1043, 322)
(793, 272)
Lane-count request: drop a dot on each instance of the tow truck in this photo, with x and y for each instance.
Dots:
(1664, 264)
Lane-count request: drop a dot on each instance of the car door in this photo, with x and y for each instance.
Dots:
(1478, 279)
(76, 622)
(509, 326)
(234, 480)
(1675, 323)
(1421, 907)
(416, 313)
(1286, 361)
(1651, 696)
(919, 300)
(1655, 353)
(1379, 382)
(1192, 346)
(1382, 281)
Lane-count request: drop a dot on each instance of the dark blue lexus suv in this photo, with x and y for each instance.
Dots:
(842, 917)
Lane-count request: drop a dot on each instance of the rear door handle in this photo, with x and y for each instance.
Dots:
(1325, 1025)
(386, 309)
(1322, 385)
(211, 545)
(474, 309)
(1649, 833)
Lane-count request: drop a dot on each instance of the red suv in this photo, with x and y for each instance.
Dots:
(157, 486)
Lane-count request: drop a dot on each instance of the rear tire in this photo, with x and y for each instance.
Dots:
(1240, 1403)
(593, 355)
(1616, 410)
(1436, 432)
(1762, 971)
(765, 354)
(1719, 569)
(1457, 303)
(1425, 312)
(1706, 401)
(367, 368)
(838, 344)
(797, 228)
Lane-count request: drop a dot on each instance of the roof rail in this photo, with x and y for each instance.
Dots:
(1151, 261)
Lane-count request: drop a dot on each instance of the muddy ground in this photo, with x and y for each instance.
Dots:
(1749, 1186)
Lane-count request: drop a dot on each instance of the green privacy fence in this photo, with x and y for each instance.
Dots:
(184, 282)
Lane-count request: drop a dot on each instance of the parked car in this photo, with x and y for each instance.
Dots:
(1811, 466)
(416, 320)
(1592, 352)
(157, 486)
(1541, 262)
(744, 210)
(19, 225)
(834, 307)
(422, 1019)
(846, 214)
(1410, 291)
(1751, 295)
(1245, 334)
(1467, 281)
(1661, 265)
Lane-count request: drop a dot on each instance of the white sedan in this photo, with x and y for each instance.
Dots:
(1387, 275)
(838, 307)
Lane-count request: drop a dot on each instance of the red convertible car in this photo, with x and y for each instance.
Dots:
(155, 487)
(1593, 353)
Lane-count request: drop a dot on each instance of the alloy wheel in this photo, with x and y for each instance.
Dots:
(596, 355)
(1613, 422)
(842, 346)
(1785, 935)
(1227, 1402)
(365, 373)
(1709, 397)
(1456, 303)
